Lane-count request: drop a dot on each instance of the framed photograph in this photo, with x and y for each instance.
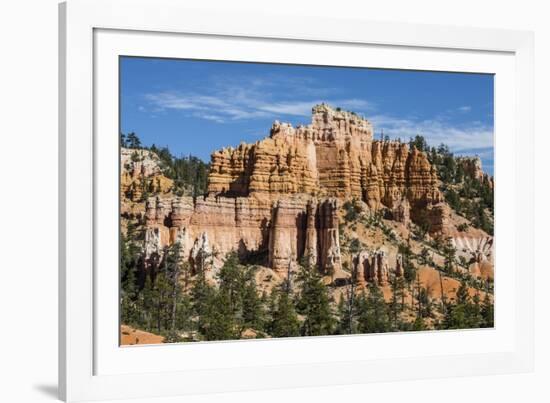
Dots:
(255, 201)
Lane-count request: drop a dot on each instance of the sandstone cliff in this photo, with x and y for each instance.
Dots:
(141, 173)
(333, 156)
(278, 201)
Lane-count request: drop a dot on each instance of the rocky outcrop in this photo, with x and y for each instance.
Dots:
(437, 217)
(372, 267)
(333, 156)
(284, 242)
(277, 200)
(471, 167)
(310, 249)
(307, 230)
(201, 254)
(360, 261)
(399, 269)
(401, 212)
(328, 237)
(286, 230)
(476, 248)
(140, 173)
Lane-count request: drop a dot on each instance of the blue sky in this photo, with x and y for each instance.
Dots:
(196, 107)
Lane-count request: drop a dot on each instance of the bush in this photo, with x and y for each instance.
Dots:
(352, 211)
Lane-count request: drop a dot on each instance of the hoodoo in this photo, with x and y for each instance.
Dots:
(279, 197)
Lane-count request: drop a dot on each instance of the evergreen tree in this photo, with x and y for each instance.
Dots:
(284, 320)
(466, 312)
(419, 324)
(397, 303)
(202, 295)
(449, 253)
(147, 303)
(419, 142)
(184, 317)
(133, 141)
(313, 303)
(373, 314)
(487, 311)
(217, 322)
(253, 311)
(130, 258)
(172, 264)
(232, 278)
(452, 197)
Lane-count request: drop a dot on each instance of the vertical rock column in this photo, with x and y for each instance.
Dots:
(180, 215)
(150, 212)
(360, 263)
(283, 237)
(381, 268)
(153, 236)
(311, 234)
(329, 240)
(399, 266)
(374, 265)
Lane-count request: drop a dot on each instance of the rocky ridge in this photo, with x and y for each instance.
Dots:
(280, 199)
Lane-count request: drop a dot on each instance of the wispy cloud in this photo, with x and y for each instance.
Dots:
(237, 98)
(240, 106)
(232, 99)
(466, 136)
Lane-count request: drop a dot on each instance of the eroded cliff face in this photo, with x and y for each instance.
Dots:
(280, 233)
(277, 201)
(141, 172)
(334, 156)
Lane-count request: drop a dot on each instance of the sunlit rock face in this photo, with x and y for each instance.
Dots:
(277, 200)
(333, 156)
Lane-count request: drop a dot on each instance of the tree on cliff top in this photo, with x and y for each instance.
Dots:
(131, 141)
(419, 142)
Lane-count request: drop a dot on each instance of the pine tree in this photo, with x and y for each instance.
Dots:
(465, 313)
(133, 141)
(232, 279)
(172, 264)
(462, 294)
(217, 321)
(130, 257)
(313, 303)
(253, 307)
(373, 312)
(419, 142)
(343, 317)
(284, 321)
(419, 324)
(397, 303)
(487, 312)
(202, 295)
(147, 303)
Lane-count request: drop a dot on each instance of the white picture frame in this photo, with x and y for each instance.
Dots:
(93, 33)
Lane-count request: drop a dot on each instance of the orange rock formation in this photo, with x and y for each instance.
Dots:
(279, 197)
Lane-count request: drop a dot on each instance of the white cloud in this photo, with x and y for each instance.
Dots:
(250, 101)
(236, 98)
(436, 131)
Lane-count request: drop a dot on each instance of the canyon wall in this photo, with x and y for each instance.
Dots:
(277, 200)
(210, 227)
